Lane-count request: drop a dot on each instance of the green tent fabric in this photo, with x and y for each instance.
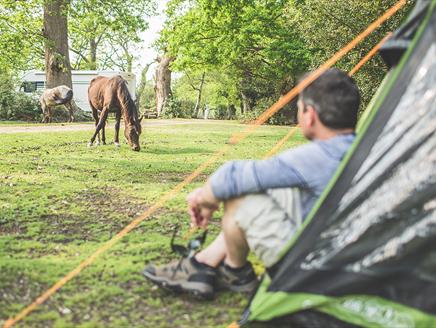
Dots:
(366, 255)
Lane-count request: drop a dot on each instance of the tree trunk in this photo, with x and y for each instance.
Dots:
(231, 112)
(247, 103)
(92, 61)
(57, 60)
(142, 84)
(163, 83)
(198, 101)
(129, 59)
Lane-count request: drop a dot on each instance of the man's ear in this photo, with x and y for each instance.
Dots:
(312, 115)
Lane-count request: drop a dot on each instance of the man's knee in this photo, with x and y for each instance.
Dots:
(231, 206)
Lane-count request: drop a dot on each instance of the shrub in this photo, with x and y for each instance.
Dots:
(175, 108)
(286, 116)
(16, 105)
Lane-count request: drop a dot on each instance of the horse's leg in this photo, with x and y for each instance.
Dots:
(69, 107)
(50, 116)
(103, 134)
(101, 122)
(96, 118)
(117, 128)
(46, 114)
(43, 107)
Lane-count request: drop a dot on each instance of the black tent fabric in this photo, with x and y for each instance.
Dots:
(366, 255)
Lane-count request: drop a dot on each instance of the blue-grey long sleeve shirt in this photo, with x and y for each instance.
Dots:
(308, 167)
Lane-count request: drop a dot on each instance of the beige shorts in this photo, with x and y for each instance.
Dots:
(269, 220)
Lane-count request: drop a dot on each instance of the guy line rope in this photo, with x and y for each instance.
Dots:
(236, 138)
(358, 66)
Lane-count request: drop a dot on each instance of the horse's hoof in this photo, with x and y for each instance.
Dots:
(97, 143)
(89, 144)
(117, 145)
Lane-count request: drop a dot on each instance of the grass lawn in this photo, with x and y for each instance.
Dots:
(60, 201)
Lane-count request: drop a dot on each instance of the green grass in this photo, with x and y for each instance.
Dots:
(60, 201)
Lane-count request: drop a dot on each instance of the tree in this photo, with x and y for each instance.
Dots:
(251, 41)
(57, 59)
(327, 26)
(141, 87)
(163, 82)
(21, 37)
(104, 32)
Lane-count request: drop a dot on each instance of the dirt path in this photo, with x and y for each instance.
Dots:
(62, 127)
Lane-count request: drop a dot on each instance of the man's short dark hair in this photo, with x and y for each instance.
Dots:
(335, 97)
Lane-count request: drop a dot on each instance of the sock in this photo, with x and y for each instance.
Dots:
(238, 269)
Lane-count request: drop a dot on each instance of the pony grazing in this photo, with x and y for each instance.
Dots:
(61, 95)
(111, 95)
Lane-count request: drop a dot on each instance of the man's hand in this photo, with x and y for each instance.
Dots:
(201, 204)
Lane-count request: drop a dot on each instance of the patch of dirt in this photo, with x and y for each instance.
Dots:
(87, 127)
(11, 228)
(164, 177)
(107, 213)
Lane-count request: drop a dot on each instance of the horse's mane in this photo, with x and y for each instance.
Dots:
(125, 99)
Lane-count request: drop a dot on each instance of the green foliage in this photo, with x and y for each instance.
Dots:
(175, 108)
(21, 38)
(60, 201)
(251, 43)
(262, 47)
(16, 105)
(104, 33)
(327, 26)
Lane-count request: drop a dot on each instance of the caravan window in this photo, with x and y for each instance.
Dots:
(29, 86)
(33, 86)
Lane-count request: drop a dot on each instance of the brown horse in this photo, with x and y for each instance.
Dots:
(111, 95)
(61, 95)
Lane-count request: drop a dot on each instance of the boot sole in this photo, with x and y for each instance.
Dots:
(247, 288)
(192, 288)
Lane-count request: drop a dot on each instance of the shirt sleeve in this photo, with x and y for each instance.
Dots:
(236, 178)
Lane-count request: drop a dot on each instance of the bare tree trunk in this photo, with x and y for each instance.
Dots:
(92, 61)
(200, 91)
(57, 60)
(129, 59)
(163, 83)
(142, 84)
(247, 103)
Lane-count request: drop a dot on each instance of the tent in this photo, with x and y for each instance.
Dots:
(366, 254)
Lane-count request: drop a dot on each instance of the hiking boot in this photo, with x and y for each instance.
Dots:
(236, 279)
(185, 275)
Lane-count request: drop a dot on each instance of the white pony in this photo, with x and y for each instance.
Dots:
(61, 95)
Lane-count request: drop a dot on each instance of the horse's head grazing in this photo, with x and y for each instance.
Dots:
(132, 132)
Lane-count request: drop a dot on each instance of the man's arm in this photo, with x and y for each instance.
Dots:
(202, 203)
(237, 178)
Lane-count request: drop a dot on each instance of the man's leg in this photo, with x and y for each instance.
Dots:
(228, 253)
(264, 221)
(230, 245)
(197, 274)
(236, 244)
(214, 253)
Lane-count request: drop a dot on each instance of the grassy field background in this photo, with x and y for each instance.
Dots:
(60, 201)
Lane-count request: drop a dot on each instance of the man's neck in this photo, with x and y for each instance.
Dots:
(325, 133)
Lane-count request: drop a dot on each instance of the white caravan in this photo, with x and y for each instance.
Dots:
(34, 81)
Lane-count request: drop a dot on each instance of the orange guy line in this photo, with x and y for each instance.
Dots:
(355, 69)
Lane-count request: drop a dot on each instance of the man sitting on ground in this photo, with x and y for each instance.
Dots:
(265, 201)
